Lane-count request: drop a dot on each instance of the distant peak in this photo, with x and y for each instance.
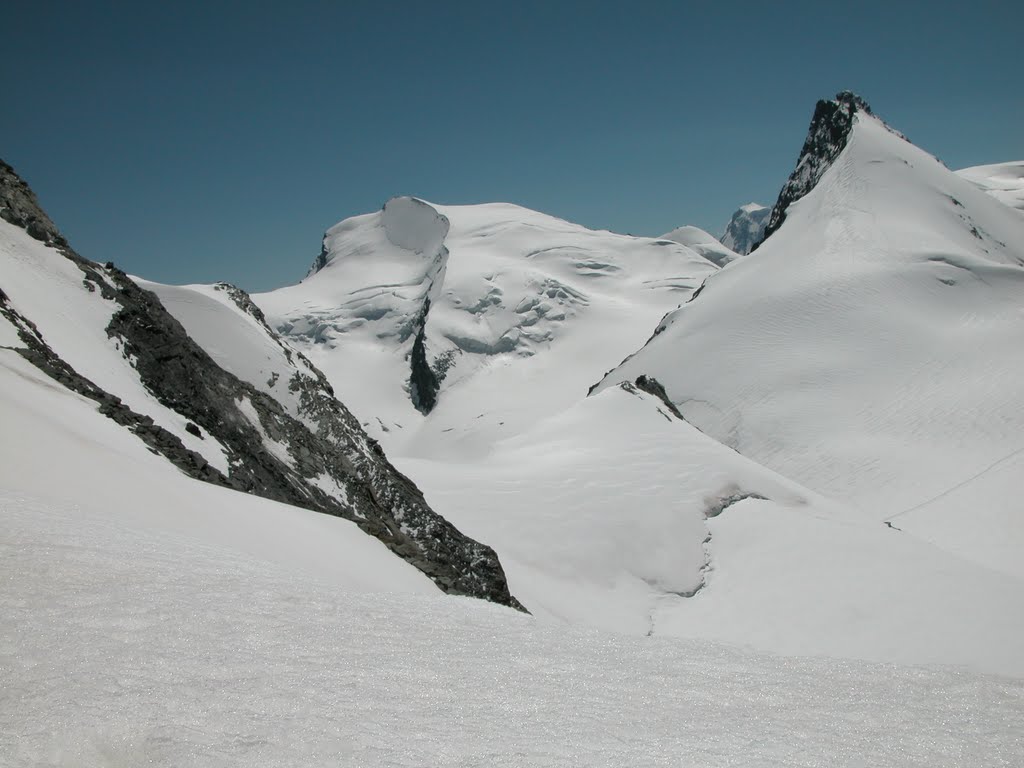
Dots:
(827, 137)
(746, 227)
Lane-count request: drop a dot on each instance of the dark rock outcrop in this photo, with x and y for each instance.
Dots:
(19, 206)
(424, 383)
(325, 443)
(826, 137)
(652, 386)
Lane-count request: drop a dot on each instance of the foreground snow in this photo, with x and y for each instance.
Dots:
(124, 646)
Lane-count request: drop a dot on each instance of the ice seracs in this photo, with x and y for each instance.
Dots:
(439, 323)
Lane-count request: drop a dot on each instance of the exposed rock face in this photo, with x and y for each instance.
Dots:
(826, 138)
(324, 443)
(18, 206)
(746, 228)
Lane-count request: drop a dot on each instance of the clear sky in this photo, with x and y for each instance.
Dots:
(202, 141)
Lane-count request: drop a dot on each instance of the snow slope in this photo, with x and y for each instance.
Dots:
(618, 515)
(161, 651)
(703, 243)
(873, 351)
(91, 329)
(488, 302)
(236, 339)
(50, 290)
(1004, 181)
(59, 451)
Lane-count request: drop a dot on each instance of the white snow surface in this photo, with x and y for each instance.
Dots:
(704, 243)
(873, 351)
(124, 646)
(599, 516)
(1004, 181)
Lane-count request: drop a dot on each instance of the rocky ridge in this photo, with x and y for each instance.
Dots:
(325, 446)
(826, 138)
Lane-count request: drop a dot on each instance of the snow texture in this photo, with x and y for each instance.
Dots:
(162, 651)
(703, 243)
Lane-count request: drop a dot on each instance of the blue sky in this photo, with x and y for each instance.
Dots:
(193, 142)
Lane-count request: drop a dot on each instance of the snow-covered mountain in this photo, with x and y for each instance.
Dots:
(447, 327)
(724, 491)
(258, 419)
(1004, 181)
(746, 228)
(874, 349)
(707, 245)
(611, 510)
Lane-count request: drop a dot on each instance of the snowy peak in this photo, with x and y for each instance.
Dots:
(827, 136)
(704, 243)
(878, 335)
(422, 299)
(746, 228)
(414, 225)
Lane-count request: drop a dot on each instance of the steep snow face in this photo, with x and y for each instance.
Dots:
(746, 228)
(874, 349)
(1004, 181)
(468, 313)
(703, 243)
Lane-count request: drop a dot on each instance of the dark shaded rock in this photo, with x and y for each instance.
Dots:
(19, 206)
(652, 386)
(423, 382)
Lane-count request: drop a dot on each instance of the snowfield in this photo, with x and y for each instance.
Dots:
(123, 646)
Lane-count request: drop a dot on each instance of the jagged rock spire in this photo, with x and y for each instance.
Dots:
(826, 138)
